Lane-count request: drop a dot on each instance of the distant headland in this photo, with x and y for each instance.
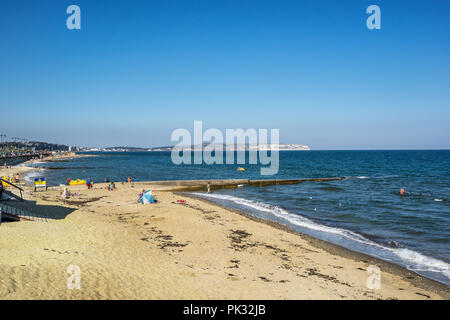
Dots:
(246, 147)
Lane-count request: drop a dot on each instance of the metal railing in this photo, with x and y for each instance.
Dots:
(11, 184)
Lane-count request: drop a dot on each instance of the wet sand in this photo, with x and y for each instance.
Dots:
(168, 250)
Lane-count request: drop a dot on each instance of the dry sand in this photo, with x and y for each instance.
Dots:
(196, 250)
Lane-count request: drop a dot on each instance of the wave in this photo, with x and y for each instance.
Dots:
(420, 262)
(355, 177)
(375, 177)
(412, 260)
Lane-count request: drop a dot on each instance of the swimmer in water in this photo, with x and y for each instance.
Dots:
(402, 191)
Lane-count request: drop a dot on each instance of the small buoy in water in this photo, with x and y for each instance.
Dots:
(240, 169)
(315, 209)
(310, 198)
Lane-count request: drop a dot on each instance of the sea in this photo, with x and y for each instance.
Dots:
(363, 212)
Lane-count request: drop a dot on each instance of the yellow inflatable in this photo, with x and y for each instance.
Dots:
(240, 169)
(6, 178)
(76, 182)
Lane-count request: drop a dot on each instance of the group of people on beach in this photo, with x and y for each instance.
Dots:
(112, 185)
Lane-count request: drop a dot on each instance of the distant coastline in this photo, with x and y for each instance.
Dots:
(224, 147)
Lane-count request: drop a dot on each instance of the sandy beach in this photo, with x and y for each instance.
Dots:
(170, 250)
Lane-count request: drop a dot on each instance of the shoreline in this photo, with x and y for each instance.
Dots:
(99, 201)
(332, 248)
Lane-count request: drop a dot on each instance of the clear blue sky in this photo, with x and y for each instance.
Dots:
(139, 69)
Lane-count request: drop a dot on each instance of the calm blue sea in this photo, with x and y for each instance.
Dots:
(365, 214)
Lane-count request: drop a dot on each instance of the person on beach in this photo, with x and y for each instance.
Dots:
(89, 183)
(130, 182)
(112, 186)
(208, 187)
(66, 193)
(106, 180)
(17, 178)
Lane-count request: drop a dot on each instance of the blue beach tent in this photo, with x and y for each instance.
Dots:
(146, 197)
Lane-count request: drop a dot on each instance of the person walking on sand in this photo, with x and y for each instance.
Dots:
(130, 182)
(89, 183)
(208, 187)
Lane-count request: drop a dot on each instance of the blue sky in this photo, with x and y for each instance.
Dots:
(139, 69)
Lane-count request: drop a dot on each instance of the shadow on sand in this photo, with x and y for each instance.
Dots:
(28, 208)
